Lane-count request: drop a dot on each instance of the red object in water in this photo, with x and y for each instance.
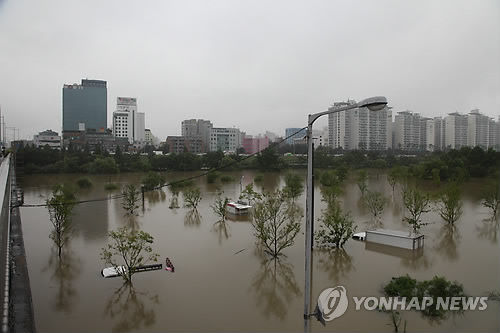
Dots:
(169, 266)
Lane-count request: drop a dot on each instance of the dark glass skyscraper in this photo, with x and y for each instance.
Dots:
(85, 106)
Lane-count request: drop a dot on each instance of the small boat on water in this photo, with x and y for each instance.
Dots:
(238, 208)
(110, 272)
(169, 266)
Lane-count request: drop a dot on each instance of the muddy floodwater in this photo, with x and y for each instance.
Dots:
(221, 283)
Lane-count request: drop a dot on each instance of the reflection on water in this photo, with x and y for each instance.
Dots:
(270, 183)
(155, 197)
(412, 259)
(337, 263)
(174, 199)
(192, 218)
(374, 223)
(97, 211)
(274, 286)
(63, 272)
(131, 222)
(221, 228)
(447, 241)
(488, 229)
(131, 310)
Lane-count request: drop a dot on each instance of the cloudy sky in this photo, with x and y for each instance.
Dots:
(257, 65)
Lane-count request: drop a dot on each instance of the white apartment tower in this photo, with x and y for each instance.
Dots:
(430, 135)
(478, 129)
(127, 122)
(493, 134)
(339, 126)
(407, 131)
(360, 128)
(455, 129)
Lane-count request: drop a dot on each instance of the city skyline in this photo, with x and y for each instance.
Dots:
(244, 64)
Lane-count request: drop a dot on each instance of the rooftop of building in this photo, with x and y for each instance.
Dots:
(87, 83)
(49, 133)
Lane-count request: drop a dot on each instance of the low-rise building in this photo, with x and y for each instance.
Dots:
(47, 138)
(252, 145)
(94, 140)
(226, 139)
(182, 144)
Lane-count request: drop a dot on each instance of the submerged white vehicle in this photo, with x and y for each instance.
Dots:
(359, 236)
(238, 208)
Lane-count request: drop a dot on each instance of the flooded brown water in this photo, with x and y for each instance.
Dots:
(221, 283)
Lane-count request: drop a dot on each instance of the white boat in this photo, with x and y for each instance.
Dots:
(237, 208)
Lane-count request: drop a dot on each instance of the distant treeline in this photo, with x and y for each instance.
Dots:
(453, 164)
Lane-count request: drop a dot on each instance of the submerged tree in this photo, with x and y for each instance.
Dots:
(153, 180)
(293, 186)
(405, 286)
(128, 250)
(449, 204)
(375, 202)
(219, 206)
(336, 228)
(492, 200)
(130, 199)
(275, 224)
(331, 182)
(392, 178)
(417, 203)
(362, 181)
(192, 197)
(60, 207)
(249, 195)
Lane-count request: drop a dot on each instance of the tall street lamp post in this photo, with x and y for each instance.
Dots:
(373, 104)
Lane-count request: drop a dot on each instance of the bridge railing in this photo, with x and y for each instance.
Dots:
(4, 240)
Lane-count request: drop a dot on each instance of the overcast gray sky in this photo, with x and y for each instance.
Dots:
(256, 65)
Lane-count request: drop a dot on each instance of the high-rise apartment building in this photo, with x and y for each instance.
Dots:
(127, 122)
(379, 129)
(438, 133)
(429, 142)
(339, 126)
(455, 129)
(477, 129)
(197, 128)
(85, 106)
(359, 128)
(407, 131)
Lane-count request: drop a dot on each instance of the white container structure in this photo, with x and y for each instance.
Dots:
(402, 239)
(237, 208)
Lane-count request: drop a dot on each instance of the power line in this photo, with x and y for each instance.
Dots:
(119, 196)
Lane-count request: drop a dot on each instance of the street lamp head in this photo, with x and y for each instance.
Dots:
(376, 103)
